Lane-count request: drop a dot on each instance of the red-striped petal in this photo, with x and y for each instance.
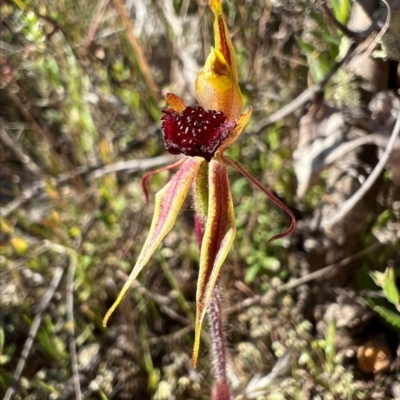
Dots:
(218, 236)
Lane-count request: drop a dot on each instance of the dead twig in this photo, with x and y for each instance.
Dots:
(172, 336)
(136, 285)
(304, 279)
(331, 268)
(348, 32)
(71, 323)
(98, 17)
(243, 304)
(357, 46)
(374, 42)
(143, 65)
(17, 151)
(379, 139)
(57, 275)
(131, 165)
(349, 204)
(307, 95)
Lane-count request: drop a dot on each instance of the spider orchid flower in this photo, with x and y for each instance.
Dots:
(201, 134)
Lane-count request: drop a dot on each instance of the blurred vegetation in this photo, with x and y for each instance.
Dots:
(74, 101)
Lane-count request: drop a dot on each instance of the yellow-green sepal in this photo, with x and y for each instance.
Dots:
(168, 203)
(219, 233)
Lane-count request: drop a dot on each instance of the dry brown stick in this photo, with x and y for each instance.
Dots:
(373, 43)
(171, 336)
(27, 115)
(40, 134)
(57, 275)
(305, 96)
(304, 279)
(131, 165)
(143, 65)
(321, 272)
(348, 32)
(98, 16)
(379, 139)
(71, 322)
(162, 301)
(17, 151)
(349, 204)
(157, 298)
(243, 304)
(310, 92)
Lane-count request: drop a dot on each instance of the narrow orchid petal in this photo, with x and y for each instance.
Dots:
(270, 195)
(169, 201)
(219, 234)
(146, 176)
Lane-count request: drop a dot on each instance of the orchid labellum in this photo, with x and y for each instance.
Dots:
(202, 133)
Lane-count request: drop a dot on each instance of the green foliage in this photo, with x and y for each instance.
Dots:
(393, 318)
(341, 10)
(6, 352)
(320, 61)
(319, 358)
(50, 341)
(387, 281)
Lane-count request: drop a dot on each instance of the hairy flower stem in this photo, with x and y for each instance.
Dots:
(220, 389)
(217, 334)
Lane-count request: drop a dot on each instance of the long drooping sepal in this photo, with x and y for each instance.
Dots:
(218, 236)
(169, 201)
(270, 195)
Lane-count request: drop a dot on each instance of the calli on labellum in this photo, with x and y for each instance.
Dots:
(201, 134)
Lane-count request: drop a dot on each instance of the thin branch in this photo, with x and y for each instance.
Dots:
(355, 47)
(321, 272)
(143, 65)
(379, 139)
(40, 134)
(131, 165)
(349, 204)
(345, 29)
(170, 337)
(57, 275)
(17, 151)
(243, 304)
(71, 323)
(304, 279)
(137, 286)
(373, 44)
(307, 95)
(98, 17)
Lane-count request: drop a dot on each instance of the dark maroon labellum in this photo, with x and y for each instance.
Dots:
(195, 132)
